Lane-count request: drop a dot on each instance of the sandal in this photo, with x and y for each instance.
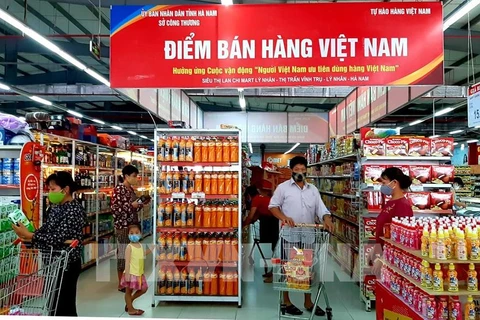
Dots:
(292, 310)
(318, 311)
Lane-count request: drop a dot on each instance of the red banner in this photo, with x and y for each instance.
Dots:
(30, 180)
(378, 104)
(363, 106)
(351, 111)
(341, 119)
(397, 97)
(332, 122)
(209, 46)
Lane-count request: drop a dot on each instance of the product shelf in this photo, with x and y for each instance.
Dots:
(418, 254)
(404, 304)
(196, 263)
(347, 242)
(333, 194)
(197, 164)
(344, 219)
(9, 186)
(107, 255)
(404, 158)
(345, 158)
(89, 264)
(196, 298)
(207, 196)
(345, 176)
(193, 230)
(372, 213)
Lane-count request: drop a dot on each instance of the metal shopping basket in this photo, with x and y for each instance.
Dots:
(299, 264)
(30, 281)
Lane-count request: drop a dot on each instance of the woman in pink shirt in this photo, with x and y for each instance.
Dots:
(394, 183)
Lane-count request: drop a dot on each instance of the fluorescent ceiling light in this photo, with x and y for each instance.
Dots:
(117, 128)
(455, 143)
(455, 131)
(472, 141)
(152, 140)
(242, 102)
(434, 136)
(443, 111)
(40, 100)
(459, 13)
(74, 113)
(227, 2)
(293, 148)
(98, 77)
(144, 137)
(250, 147)
(416, 122)
(132, 133)
(4, 87)
(98, 121)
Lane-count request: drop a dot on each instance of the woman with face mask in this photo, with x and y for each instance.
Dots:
(125, 207)
(64, 224)
(394, 184)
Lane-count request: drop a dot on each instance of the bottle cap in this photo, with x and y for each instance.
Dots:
(438, 266)
(471, 266)
(451, 266)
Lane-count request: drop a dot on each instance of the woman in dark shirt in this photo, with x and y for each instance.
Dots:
(125, 209)
(64, 224)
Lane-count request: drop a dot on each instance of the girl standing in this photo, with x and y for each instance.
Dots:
(133, 279)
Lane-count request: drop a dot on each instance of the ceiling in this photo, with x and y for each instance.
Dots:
(72, 23)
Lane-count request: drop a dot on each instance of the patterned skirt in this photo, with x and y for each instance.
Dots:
(122, 242)
(135, 283)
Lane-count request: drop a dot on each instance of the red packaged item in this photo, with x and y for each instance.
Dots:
(396, 146)
(370, 225)
(420, 174)
(374, 147)
(443, 174)
(404, 168)
(442, 147)
(369, 286)
(441, 200)
(419, 147)
(374, 200)
(419, 200)
(373, 173)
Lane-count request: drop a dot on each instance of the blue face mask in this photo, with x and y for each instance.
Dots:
(386, 189)
(134, 237)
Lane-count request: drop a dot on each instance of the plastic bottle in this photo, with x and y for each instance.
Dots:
(213, 248)
(169, 246)
(199, 282)
(220, 247)
(214, 284)
(222, 286)
(461, 246)
(235, 283)
(191, 181)
(168, 149)
(229, 282)
(161, 149)
(227, 251)
(432, 250)
(184, 282)
(228, 216)
(452, 278)
(218, 150)
(207, 183)
(234, 248)
(163, 182)
(455, 309)
(438, 278)
(169, 183)
(207, 215)
(226, 150)
(213, 218)
(182, 154)
(428, 275)
(176, 247)
(475, 246)
(190, 247)
(442, 309)
(191, 214)
(220, 216)
(214, 183)
(184, 182)
(468, 240)
(161, 214)
(183, 247)
(207, 283)
(175, 149)
(169, 285)
(205, 150)
(234, 216)
(189, 150)
(177, 214)
(234, 150)
(448, 244)
(221, 183)
(198, 215)
(235, 183)
(441, 248)
(176, 181)
(197, 150)
(191, 282)
(168, 214)
(228, 183)
(176, 282)
(469, 309)
(198, 182)
(211, 151)
(472, 281)
(198, 247)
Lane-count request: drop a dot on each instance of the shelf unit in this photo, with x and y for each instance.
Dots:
(180, 238)
(9, 190)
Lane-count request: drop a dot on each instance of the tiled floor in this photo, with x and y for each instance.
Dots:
(97, 296)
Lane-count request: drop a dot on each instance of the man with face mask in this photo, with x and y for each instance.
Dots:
(298, 202)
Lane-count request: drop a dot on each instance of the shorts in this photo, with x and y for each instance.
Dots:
(268, 230)
(122, 242)
(135, 283)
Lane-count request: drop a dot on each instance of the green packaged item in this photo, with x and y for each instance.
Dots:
(18, 216)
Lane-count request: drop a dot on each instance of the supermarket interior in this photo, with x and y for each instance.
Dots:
(194, 159)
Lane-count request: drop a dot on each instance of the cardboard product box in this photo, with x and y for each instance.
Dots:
(396, 147)
(443, 174)
(418, 147)
(374, 147)
(420, 174)
(419, 200)
(370, 225)
(372, 173)
(442, 147)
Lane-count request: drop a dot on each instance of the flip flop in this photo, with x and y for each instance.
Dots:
(137, 313)
(318, 311)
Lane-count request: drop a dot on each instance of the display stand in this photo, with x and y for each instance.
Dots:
(198, 176)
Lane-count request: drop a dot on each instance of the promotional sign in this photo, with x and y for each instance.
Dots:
(363, 107)
(164, 104)
(341, 119)
(332, 122)
(307, 127)
(30, 169)
(397, 97)
(378, 103)
(271, 127)
(474, 105)
(176, 105)
(351, 111)
(279, 159)
(209, 46)
(148, 99)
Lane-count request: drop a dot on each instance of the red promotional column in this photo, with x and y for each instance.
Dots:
(472, 153)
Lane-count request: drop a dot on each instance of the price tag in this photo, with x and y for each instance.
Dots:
(198, 195)
(178, 195)
(416, 188)
(474, 105)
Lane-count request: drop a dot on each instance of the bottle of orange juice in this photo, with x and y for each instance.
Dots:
(470, 309)
(198, 247)
(220, 216)
(177, 214)
(220, 245)
(235, 182)
(452, 278)
(161, 214)
(191, 181)
(207, 216)
(213, 218)
(189, 150)
(221, 183)
(235, 283)
(226, 150)
(227, 252)
(182, 149)
(234, 248)
(190, 214)
(175, 149)
(214, 284)
(168, 149)
(168, 222)
(228, 216)
(214, 183)
(234, 216)
(234, 150)
(199, 282)
(207, 283)
(222, 287)
(211, 150)
(198, 215)
(161, 149)
(163, 182)
(212, 248)
(207, 181)
(176, 181)
(205, 150)
(228, 183)
(218, 150)
(229, 281)
(198, 181)
(169, 184)
(197, 150)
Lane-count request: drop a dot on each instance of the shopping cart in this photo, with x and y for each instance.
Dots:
(30, 280)
(256, 244)
(299, 264)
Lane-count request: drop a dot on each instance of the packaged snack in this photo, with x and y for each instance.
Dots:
(370, 225)
(374, 147)
(441, 200)
(374, 200)
(442, 147)
(18, 216)
(369, 286)
(405, 169)
(418, 147)
(419, 200)
(443, 174)
(373, 173)
(420, 174)
(396, 146)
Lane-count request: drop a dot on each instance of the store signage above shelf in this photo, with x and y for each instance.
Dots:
(208, 46)
(474, 105)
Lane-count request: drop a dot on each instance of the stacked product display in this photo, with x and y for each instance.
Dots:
(430, 265)
(198, 183)
(468, 178)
